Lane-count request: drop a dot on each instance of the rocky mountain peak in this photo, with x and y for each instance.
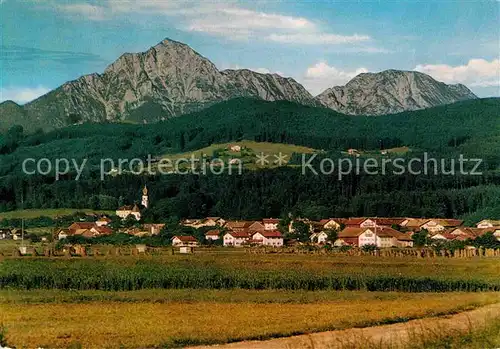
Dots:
(391, 91)
(169, 79)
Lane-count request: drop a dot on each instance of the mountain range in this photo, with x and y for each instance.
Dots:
(171, 79)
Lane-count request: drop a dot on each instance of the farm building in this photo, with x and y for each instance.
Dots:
(184, 240)
(235, 238)
(267, 238)
(212, 234)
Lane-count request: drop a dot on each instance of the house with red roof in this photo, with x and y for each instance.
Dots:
(76, 226)
(213, 234)
(256, 226)
(382, 237)
(331, 223)
(103, 221)
(270, 223)
(238, 226)
(184, 240)
(236, 239)
(101, 230)
(125, 211)
(268, 238)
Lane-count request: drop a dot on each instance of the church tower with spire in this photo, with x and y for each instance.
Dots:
(145, 199)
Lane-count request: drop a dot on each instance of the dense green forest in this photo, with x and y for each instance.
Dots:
(471, 128)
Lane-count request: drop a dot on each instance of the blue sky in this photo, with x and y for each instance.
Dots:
(319, 43)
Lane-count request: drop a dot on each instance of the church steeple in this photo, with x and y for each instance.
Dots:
(145, 199)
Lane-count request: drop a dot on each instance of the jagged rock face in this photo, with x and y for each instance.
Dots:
(270, 87)
(391, 91)
(169, 79)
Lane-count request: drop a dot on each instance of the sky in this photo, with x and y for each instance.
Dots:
(321, 44)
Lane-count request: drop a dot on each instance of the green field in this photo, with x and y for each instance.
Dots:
(51, 212)
(248, 155)
(192, 295)
(239, 270)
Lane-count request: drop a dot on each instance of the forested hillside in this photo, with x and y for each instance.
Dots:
(471, 128)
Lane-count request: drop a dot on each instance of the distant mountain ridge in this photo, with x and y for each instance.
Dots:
(171, 79)
(391, 91)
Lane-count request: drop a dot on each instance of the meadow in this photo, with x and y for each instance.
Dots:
(175, 318)
(251, 146)
(219, 297)
(51, 212)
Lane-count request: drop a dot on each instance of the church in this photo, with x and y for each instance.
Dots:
(134, 210)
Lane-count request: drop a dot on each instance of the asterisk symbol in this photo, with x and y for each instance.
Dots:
(280, 159)
(262, 159)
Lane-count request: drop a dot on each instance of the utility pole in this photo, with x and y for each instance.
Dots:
(22, 220)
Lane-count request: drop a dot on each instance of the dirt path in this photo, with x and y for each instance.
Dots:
(395, 335)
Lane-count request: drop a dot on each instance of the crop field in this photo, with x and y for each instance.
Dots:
(177, 300)
(52, 213)
(239, 270)
(173, 318)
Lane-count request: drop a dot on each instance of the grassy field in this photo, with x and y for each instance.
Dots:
(245, 271)
(52, 213)
(207, 298)
(475, 338)
(172, 318)
(248, 155)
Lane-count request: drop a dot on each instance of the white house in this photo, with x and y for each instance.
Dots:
(268, 238)
(125, 211)
(5, 234)
(236, 238)
(62, 234)
(103, 221)
(488, 223)
(368, 223)
(186, 240)
(270, 223)
(330, 224)
(497, 234)
(103, 230)
(17, 235)
(432, 226)
(154, 228)
(212, 235)
(441, 236)
(367, 237)
(319, 238)
(382, 237)
(235, 148)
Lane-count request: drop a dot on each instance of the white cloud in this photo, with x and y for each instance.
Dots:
(321, 76)
(477, 72)
(22, 95)
(92, 12)
(238, 23)
(317, 38)
(225, 19)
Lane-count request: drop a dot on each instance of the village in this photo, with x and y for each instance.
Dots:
(356, 232)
